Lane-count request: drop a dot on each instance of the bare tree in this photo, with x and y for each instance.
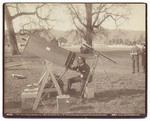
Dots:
(19, 13)
(88, 18)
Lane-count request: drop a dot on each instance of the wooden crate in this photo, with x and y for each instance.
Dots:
(28, 97)
(63, 104)
(89, 91)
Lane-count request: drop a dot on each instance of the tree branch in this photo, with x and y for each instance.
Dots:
(84, 36)
(110, 14)
(74, 11)
(100, 23)
(29, 13)
(23, 13)
(101, 9)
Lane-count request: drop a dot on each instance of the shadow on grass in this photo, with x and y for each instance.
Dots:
(109, 95)
(74, 93)
(83, 108)
(11, 69)
(13, 104)
(16, 105)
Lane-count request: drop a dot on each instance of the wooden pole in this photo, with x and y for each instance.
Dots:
(91, 73)
(49, 68)
(40, 91)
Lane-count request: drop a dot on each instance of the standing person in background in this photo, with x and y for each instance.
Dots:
(143, 57)
(135, 51)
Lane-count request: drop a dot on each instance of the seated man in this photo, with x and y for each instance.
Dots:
(83, 70)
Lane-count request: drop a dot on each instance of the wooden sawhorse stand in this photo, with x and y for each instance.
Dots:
(43, 82)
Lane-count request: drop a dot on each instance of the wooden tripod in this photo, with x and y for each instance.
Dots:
(42, 83)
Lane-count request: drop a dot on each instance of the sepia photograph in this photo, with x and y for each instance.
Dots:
(74, 60)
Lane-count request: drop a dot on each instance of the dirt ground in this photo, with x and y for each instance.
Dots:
(117, 90)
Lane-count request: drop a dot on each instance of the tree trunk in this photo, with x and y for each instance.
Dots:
(11, 33)
(89, 28)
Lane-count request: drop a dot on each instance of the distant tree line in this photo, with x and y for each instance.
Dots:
(120, 41)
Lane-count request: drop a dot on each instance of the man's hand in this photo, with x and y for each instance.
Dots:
(80, 75)
(73, 66)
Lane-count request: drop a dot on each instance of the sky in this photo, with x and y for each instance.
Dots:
(136, 19)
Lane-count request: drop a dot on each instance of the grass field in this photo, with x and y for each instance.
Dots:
(117, 91)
